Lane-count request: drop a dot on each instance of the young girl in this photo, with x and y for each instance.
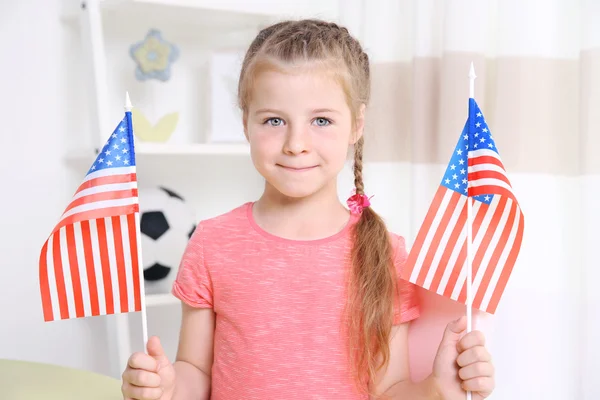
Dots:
(295, 296)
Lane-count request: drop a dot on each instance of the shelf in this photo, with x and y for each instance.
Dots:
(163, 299)
(166, 149)
(189, 18)
(265, 8)
(192, 149)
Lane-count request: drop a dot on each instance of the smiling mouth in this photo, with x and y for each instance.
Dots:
(297, 169)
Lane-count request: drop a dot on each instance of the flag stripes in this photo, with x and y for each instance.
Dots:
(104, 196)
(437, 261)
(90, 271)
(486, 174)
(110, 191)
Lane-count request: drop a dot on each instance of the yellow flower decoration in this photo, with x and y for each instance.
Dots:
(153, 57)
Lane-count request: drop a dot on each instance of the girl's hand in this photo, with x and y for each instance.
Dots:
(463, 364)
(149, 376)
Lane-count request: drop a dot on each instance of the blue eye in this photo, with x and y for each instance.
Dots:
(274, 121)
(322, 121)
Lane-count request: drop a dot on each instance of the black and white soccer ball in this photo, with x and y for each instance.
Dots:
(167, 223)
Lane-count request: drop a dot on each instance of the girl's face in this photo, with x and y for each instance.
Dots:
(299, 127)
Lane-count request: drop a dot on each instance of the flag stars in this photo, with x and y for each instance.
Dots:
(115, 151)
(475, 138)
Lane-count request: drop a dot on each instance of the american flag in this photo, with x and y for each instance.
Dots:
(438, 258)
(89, 265)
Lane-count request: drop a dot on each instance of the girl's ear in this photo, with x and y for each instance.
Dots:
(359, 124)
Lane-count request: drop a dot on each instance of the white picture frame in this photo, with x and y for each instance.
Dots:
(225, 118)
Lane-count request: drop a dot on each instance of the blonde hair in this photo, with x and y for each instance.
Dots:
(372, 281)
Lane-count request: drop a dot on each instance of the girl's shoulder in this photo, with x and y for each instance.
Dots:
(227, 224)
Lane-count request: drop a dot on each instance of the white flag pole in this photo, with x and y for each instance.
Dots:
(128, 108)
(472, 77)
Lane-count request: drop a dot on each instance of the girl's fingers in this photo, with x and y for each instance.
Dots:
(471, 339)
(141, 360)
(141, 393)
(473, 355)
(476, 370)
(139, 377)
(481, 384)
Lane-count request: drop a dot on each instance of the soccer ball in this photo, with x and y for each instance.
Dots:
(166, 223)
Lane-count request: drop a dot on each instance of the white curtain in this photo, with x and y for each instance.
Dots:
(538, 85)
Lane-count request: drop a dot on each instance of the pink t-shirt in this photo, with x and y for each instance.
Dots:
(278, 305)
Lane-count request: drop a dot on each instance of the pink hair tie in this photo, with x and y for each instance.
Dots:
(357, 202)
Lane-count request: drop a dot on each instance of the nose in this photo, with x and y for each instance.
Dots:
(297, 140)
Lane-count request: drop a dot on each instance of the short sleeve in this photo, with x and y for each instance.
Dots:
(193, 285)
(406, 305)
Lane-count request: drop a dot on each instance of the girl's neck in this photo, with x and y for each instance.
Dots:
(309, 218)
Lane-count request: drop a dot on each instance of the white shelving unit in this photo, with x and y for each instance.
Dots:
(165, 149)
(207, 23)
(193, 149)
